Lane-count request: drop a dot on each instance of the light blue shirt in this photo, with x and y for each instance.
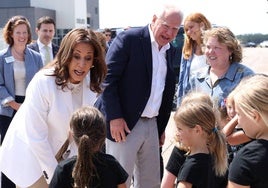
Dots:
(186, 70)
(222, 87)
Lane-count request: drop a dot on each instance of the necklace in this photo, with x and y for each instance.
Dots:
(75, 88)
(17, 55)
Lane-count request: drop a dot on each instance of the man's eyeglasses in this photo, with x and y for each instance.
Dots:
(167, 27)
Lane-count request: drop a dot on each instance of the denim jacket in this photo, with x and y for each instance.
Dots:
(223, 86)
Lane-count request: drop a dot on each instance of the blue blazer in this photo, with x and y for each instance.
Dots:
(34, 46)
(33, 63)
(129, 79)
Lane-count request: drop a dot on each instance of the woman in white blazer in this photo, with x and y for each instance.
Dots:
(40, 127)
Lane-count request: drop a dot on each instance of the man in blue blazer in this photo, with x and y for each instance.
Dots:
(137, 100)
(45, 30)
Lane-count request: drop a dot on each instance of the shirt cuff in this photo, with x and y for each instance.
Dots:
(7, 100)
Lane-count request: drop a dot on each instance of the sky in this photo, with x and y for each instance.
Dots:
(241, 16)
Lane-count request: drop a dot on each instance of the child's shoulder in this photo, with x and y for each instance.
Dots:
(106, 157)
(67, 163)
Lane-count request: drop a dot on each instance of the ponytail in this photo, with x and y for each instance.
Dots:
(218, 149)
(84, 170)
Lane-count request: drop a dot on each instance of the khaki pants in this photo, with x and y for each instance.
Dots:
(41, 183)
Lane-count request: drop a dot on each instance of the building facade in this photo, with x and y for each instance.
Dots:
(71, 14)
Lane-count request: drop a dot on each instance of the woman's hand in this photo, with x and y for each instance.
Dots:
(14, 105)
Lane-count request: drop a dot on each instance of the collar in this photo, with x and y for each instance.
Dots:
(41, 45)
(230, 74)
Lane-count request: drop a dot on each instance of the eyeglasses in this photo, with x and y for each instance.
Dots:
(167, 27)
(107, 35)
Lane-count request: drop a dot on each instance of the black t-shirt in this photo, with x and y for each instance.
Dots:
(198, 170)
(110, 172)
(249, 166)
(175, 161)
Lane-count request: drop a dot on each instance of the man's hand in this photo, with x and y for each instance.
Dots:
(118, 127)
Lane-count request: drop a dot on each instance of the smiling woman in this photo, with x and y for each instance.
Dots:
(43, 118)
(18, 64)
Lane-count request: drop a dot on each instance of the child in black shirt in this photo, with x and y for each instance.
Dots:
(248, 168)
(91, 167)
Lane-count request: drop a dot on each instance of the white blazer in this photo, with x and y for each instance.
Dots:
(39, 129)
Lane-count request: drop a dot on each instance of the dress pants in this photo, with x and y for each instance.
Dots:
(4, 124)
(139, 154)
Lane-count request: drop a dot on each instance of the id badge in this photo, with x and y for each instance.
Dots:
(9, 59)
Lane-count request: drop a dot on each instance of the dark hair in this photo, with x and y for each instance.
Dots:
(102, 40)
(65, 54)
(107, 30)
(12, 23)
(45, 20)
(89, 133)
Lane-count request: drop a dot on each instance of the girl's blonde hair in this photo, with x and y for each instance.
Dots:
(251, 94)
(192, 97)
(189, 44)
(202, 113)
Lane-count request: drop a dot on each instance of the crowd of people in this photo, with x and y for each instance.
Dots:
(92, 112)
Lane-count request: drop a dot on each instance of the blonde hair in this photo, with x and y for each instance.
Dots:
(199, 96)
(225, 36)
(202, 113)
(189, 43)
(193, 96)
(251, 94)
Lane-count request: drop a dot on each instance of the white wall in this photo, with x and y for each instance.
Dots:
(80, 13)
(68, 12)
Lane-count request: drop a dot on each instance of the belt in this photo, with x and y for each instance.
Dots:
(146, 118)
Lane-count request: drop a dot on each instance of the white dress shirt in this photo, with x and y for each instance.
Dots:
(158, 79)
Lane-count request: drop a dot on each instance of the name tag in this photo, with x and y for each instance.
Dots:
(9, 59)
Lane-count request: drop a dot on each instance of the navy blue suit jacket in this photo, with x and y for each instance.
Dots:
(129, 79)
(34, 46)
